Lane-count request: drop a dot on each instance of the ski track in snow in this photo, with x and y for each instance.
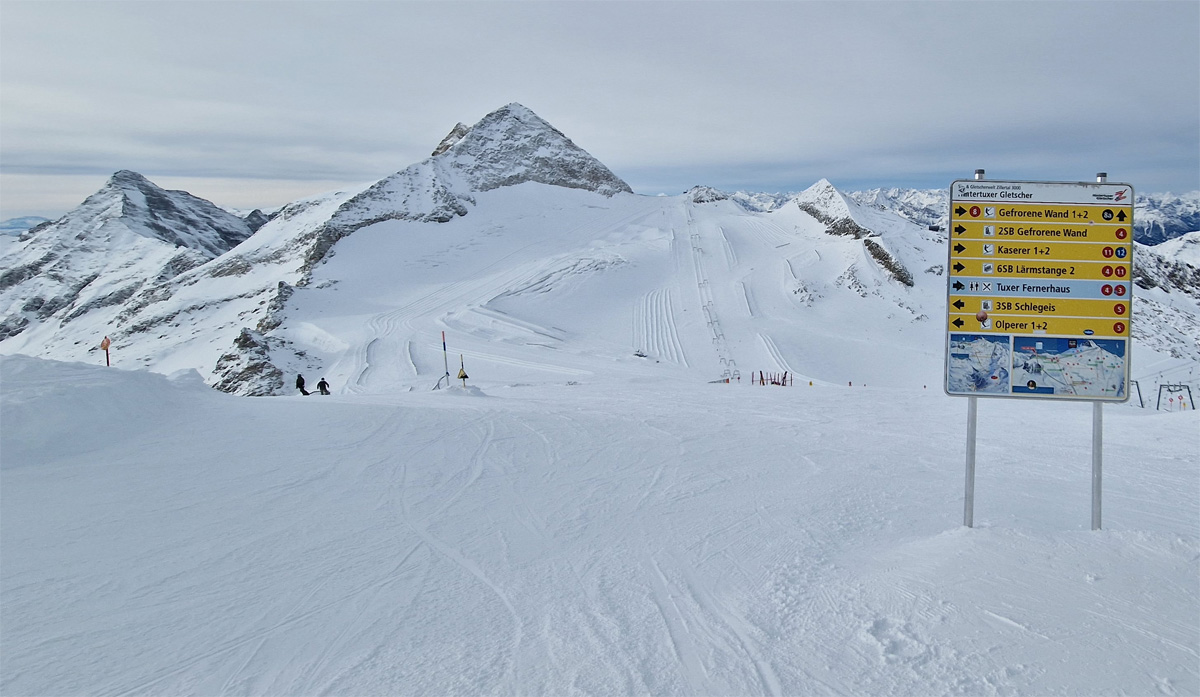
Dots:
(372, 362)
(655, 330)
(699, 539)
(773, 350)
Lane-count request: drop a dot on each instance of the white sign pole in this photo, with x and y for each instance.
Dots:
(969, 500)
(1098, 435)
(972, 420)
(1097, 457)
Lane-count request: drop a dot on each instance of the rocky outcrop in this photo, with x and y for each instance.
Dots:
(706, 194)
(247, 368)
(456, 134)
(888, 262)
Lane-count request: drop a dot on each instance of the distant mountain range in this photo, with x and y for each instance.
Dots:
(179, 283)
(16, 226)
(1157, 217)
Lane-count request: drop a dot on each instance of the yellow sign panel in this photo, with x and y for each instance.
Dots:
(1042, 232)
(1041, 307)
(1044, 213)
(1061, 270)
(1039, 277)
(996, 323)
(1007, 249)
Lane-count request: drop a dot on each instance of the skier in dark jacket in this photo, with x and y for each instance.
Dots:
(323, 386)
(300, 385)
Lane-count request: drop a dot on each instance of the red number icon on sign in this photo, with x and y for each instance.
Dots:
(1119, 327)
(975, 211)
(1119, 308)
(1121, 272)
(1106, 289)
(1108, 252)
(1120, 290)
(1122, 233)
(1107, 271)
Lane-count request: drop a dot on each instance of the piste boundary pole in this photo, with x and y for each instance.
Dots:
(445, 358)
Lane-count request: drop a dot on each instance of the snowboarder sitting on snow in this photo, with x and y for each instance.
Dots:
(300, 385)
(323, 386)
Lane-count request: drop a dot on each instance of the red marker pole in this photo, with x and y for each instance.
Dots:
(104, 344)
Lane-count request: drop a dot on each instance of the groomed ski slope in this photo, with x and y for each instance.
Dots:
(540, 283)
(628, 536)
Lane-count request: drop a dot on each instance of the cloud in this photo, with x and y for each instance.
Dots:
(672, 93)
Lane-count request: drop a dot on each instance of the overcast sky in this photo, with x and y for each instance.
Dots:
(258, 103)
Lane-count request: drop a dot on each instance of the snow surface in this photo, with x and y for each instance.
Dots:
(584, 535)
(1185, 248)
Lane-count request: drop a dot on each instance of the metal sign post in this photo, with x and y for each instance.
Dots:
(1097, 458)
(969, 499)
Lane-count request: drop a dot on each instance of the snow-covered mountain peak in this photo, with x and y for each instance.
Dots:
(127, 177)
(510, 146)
(132, 202)
(513, 145)
(706, 194)
(825, 197)
(128, 236)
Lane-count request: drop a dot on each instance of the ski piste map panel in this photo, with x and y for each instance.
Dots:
(1039, 290)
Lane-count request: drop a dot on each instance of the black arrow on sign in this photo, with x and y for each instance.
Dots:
(959, 248)
(959, 304)
(1121, 216)
(959, 229)
(957, 322)
(958, 267)
(960, 210)
(958, 285)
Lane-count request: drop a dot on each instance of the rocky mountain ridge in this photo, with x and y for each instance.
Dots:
(127, 236)
(139, 262)
(1157, 217)
(178, 283)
